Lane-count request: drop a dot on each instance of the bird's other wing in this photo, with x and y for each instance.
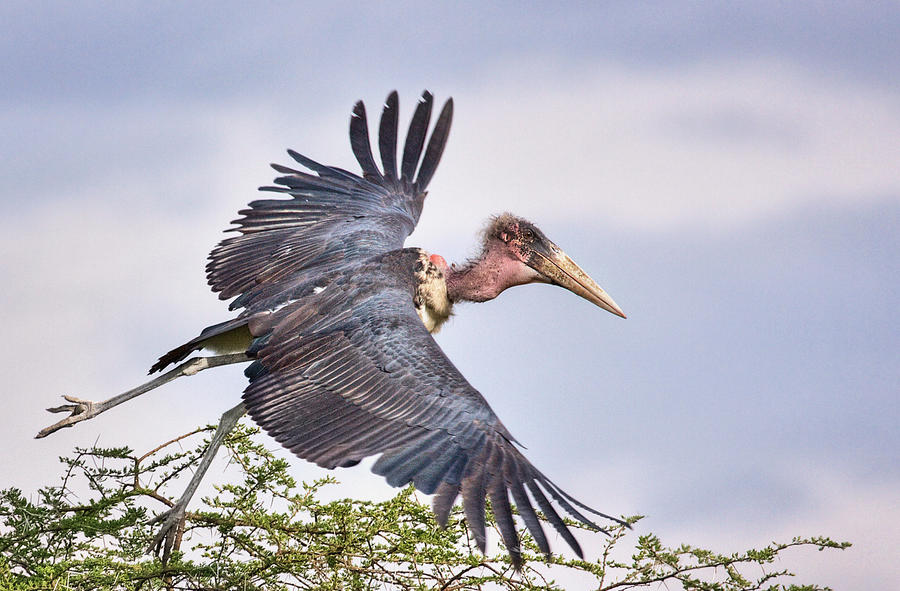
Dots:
(350, 371)
(334, 217)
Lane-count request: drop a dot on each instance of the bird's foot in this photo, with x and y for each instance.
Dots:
(168, 537)
(80, 410)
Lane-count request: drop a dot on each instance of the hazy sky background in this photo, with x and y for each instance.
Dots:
(730, 173)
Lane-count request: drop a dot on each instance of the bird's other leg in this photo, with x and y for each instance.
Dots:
(169, 535)
(81, 410)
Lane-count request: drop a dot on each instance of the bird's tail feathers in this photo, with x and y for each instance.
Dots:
(231, 336)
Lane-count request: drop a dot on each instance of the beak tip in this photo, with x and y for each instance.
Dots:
(557, 268)
(607, 303)
(618, 312)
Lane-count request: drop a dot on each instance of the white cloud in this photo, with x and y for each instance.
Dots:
(712, 145)
(835, 503)
(844, 508)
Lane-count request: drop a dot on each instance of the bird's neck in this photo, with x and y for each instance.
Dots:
(475, 281)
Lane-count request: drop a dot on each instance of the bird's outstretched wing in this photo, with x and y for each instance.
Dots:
(348, 370)
(334, 216)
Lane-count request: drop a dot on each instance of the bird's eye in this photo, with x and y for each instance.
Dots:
(528, 235)
(504, 236)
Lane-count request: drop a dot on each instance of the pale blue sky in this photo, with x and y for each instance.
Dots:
(727, 172)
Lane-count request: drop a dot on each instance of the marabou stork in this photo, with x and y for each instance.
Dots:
(336, 316)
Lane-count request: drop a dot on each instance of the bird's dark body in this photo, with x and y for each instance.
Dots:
(337, 315)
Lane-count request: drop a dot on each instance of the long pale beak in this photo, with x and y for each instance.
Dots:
(550, 261)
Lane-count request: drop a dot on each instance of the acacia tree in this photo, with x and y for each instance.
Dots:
(263, 530)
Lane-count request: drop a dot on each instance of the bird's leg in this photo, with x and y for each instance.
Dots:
(169, 535)
(81, 410)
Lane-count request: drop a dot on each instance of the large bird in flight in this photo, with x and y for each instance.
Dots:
(336, 317)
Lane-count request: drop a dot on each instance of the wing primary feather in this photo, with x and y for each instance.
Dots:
(559, 498)
(473, 493)
(283, 169)
(443, 502)
(387, 136)
(551, 486)
(503, 516)
(301, 180)
(435, 146)
(415, 139)
(359, 141)
(553, 517)
(514, 481)
(321, 169)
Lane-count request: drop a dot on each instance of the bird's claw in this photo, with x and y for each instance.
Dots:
(78, 411)
(168, 537)
(78, 407)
